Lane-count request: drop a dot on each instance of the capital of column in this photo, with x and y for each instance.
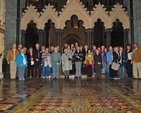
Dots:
(90, 30)
(125, 30)
(108, 30)
(40, 31)
(59, 31)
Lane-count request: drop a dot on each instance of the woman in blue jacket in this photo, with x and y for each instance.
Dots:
(21, 62)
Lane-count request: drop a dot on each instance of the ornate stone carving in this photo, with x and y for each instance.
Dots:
(30, 14)
(75, 7)
(118, 12)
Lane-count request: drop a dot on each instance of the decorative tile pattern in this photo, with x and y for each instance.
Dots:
(70, 96)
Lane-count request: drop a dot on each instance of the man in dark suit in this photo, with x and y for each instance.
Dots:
(37, 55)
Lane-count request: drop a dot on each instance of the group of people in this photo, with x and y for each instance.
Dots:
(98, 60)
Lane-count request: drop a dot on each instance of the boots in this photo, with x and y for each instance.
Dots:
(65, 77)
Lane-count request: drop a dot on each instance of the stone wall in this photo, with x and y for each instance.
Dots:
(137, 21)
(10, 22)
(126, 3)
(2, 23)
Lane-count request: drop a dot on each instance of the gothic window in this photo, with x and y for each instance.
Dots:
(117, 38)
(99, 33)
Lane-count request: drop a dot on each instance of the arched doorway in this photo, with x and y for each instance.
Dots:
(49, 38)
(31, 36)
(99, 37)
(117, 35)
(74, 31)
(72, 38)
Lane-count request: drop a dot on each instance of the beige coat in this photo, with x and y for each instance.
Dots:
(10, 55)
(66, 64)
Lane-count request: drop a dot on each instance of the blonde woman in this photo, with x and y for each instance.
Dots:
(89, 63)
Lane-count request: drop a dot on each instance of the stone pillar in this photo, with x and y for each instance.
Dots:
(131, 22)
(40, 34)
(2, 31)
(1, 50)
(18, 22)
(126, 39)
(59, 38)
(23, 37)
(108, 37)
(89, 37)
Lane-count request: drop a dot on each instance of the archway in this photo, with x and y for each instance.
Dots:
(72, 38)
(31, 36)
(99, 33)
(117, 35)
(74, 31)
(49, 38)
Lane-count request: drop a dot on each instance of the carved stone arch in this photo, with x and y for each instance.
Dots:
(117, 34)
(125, 21)
(100, 12)
(72, 38)
(49, 33)
(80, 15)
(30, 14)
(74, 31)
(45, 18)
(118, 12)
(104, 20)
(99, 33)
(26, 20)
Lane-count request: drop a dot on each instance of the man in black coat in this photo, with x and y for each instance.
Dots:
(37, 55)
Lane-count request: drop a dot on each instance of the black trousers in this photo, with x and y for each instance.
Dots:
(111, 71)
(115, 73)
(129, 68)
(89, 71)
(98, 73)
(30, 72)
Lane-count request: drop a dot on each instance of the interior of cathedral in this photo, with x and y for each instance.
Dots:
(56, 22)
(98, 30)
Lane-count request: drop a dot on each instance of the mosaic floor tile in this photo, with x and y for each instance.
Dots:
(71, 96)
(11, 101)
(5, 106)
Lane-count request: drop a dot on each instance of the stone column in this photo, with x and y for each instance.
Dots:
(40, 34)
(18, 22)
(23, 37)
(126, 39)
(89, 37)
(108, 36)
(2, 31)
(1, 50)
(131, 22)
(59, 38)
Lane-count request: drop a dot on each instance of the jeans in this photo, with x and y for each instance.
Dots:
(106, 67)
(121, 68)
(42, 67)
(21, 72)
(46, 71)
(55, 70)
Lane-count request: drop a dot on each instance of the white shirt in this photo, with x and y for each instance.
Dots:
(24, 60)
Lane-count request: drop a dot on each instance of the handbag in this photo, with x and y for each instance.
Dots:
(115, 66)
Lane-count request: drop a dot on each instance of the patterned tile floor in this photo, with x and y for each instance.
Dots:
(70, 96)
